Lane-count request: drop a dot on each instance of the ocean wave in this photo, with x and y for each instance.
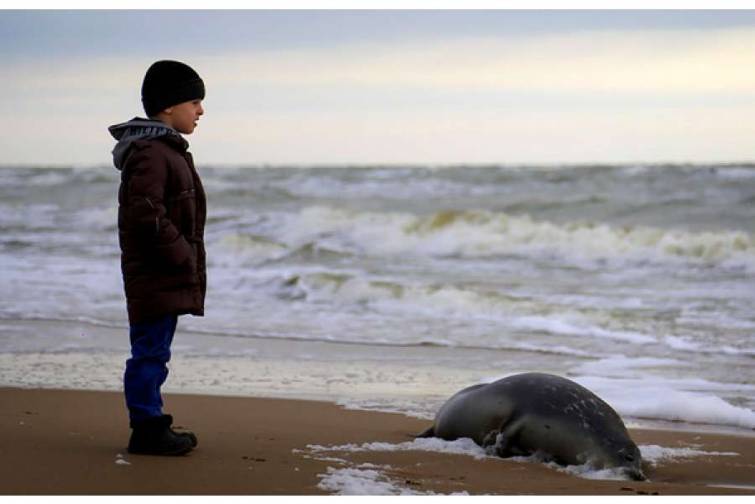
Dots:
(736, 173)
(257, 249)
(512, 315)
(398, 342)
(410, 342)
(480, 234)
(45, 177)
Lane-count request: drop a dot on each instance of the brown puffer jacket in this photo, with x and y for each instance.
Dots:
(161, 219)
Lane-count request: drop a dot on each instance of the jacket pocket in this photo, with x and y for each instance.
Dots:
(143, 216)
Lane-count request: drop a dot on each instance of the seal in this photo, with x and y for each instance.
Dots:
(540, 414)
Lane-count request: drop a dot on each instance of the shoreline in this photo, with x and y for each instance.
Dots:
(411, 380)
(377, 386)
(66, 442)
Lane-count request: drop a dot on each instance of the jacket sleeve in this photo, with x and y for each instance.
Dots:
(147, 177)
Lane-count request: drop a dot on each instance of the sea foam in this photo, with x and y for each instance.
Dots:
(688, 400)
(340, 480)
(627, 387)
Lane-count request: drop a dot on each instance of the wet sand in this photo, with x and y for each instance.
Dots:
(64, 442)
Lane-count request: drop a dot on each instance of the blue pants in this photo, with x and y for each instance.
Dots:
(146, 370)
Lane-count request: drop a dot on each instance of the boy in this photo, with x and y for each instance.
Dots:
(161, 218)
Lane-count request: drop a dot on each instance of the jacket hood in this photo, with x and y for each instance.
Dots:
(140, 129)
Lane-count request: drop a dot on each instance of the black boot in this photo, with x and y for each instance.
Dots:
(154, 436)
(187, 434)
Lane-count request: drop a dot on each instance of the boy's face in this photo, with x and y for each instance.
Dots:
(184, 116)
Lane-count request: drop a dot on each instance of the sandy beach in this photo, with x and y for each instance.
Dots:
(64, 442)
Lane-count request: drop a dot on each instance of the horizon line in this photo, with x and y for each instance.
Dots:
(346, 165)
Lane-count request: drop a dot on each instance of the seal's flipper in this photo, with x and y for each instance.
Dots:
(427, 433)
(505, 439)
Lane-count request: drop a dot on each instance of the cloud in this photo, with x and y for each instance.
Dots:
(659, 61)
(580, 96)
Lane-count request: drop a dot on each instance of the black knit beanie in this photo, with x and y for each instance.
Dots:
(169, 83)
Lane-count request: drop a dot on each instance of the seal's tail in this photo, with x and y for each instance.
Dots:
(430, 432)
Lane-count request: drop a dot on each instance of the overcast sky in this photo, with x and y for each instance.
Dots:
(437, 87)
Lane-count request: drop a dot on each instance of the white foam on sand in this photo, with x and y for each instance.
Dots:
(655, 454)
(463, 446)
(585, 471)
(356, 481)
(466, 446)
(370, 479)
(119, 460)
(365, 479)
(652, 454)
(362, 479)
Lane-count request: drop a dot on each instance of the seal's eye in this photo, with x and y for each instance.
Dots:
(629, 458)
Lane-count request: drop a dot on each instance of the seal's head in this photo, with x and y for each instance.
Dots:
(629, 459)
(620, 455)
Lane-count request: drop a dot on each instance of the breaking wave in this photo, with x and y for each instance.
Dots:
(482, 234)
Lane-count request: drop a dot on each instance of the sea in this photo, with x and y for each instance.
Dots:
(392, 287)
